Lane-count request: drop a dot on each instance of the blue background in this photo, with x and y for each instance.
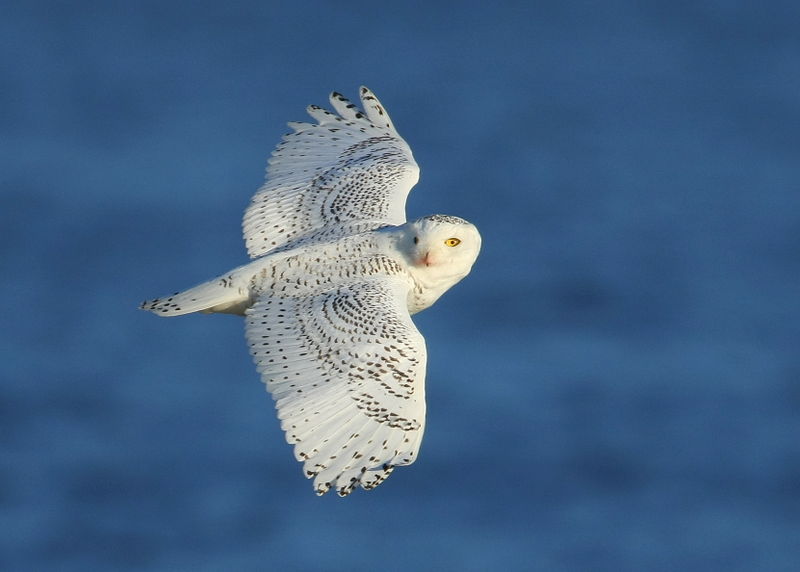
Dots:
(616, 386)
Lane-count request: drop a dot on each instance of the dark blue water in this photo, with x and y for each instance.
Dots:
(615, 387)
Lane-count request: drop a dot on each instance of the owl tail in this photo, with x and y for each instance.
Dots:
(219, 295)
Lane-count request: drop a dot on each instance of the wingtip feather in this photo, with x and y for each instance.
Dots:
(376, 112)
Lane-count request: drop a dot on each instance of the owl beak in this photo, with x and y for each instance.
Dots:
(426, 260)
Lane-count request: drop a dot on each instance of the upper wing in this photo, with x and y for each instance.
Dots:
(343, 170)
(346, 369)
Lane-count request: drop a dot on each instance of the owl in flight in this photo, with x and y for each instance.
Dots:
(335, 275)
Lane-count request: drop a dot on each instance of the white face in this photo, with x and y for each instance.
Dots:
(446, 246)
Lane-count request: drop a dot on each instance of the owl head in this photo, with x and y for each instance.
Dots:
(442, 246)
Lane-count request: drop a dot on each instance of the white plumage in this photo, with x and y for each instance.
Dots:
(328, 298)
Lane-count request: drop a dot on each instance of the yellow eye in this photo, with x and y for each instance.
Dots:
(452, 242)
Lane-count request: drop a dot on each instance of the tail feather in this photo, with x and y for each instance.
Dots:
(218, 295)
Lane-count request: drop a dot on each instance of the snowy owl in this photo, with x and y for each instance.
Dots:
(336, 273)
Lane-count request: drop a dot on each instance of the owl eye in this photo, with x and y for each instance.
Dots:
(452, 242)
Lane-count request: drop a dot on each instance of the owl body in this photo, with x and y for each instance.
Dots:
(414, 252)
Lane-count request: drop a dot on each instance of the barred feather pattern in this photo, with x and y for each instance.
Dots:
(348, 171)
(346, 369)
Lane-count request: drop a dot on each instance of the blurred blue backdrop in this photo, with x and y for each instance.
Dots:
(616, 386)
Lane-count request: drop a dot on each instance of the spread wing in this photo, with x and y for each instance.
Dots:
(349, 171)
(346, 369)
